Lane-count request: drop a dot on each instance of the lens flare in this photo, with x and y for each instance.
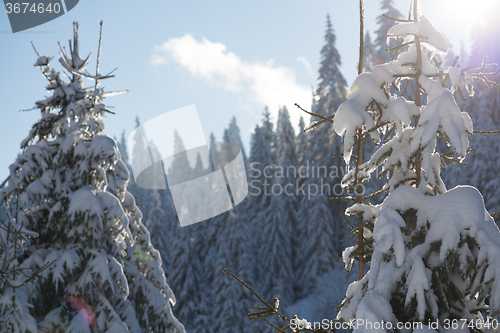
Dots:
(83, 308)
(466, 12)
(141, 254)
(353, 91)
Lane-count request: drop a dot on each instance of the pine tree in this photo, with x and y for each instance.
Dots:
(72, 186)
(287, 176)
(482, 170)
(381, 45)
(322, 170)
(318, 253)
(275, 252)
(160, 227)
(187, 277)
(262, 162)
(137, 151)
(233, 253)
(330, 93)
(14, 307)
(301, 143)
(332, 85)
(235, 137)
(185, 280)
(261, 171)
(369, 53)
(122, 147)
(435, 252)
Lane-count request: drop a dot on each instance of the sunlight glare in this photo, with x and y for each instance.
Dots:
(470, 12)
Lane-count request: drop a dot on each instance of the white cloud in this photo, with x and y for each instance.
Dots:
(262, 83)
(306, 64)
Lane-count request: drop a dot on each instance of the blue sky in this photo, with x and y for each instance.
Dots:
(226, 57)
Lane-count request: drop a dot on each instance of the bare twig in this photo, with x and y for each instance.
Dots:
(359, 160)
(395, 19)
(376, 193)
(314, 114)
(98, 55)
(361, 35)
(5, 181)
(341, 199)
(418, 162)
(406, 86)
(257, 295)
(307, 129)
(400, 46)
(486, 132)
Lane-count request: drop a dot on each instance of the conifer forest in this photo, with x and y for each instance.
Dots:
(377, 211)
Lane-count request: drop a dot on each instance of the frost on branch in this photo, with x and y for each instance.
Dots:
(423, 28)
(69, 184)
(442, 261)
(434, 253)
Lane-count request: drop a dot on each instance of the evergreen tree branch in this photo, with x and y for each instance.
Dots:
(361, 35)
(33, 276)
(269, 307)
(269, 310)
(349, 223)
(367, 133)
(276, 328)
(400, 46)
(418, 160)
(395, 19)
(312, 126)
(406, 86)
(4, 182)
(342, 199)
(98, 55)
(485, 132)
(330, 119)
(359, 158)
(375, 194)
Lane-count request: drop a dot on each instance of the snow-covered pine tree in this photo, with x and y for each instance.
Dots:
(322, 170)
(482, 168)
(287, 177)
(72, 187)
(262, 162)
(122, 147)
(385, 47)
(384, 23)
(235, 137)
(14, 307)
(158, 207)
(157, 223)
(330, 93)
(436, 252)
(318, 254)
(301, 142)
(275, 252)
(369, 53)
(140, 194)
(332, 86)
(185, 280)
(230, 301)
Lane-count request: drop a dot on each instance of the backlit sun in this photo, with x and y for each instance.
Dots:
(469, 12)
